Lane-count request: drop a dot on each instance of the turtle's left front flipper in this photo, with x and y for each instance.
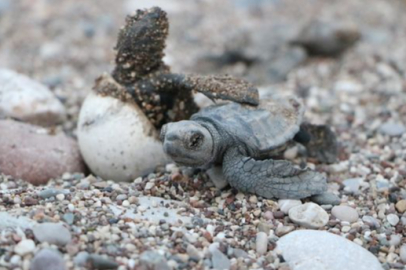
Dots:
(271, 178)
(223, 87)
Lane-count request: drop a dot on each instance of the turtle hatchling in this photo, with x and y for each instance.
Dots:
(245, 140)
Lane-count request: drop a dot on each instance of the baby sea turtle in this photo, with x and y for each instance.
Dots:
(245, 140)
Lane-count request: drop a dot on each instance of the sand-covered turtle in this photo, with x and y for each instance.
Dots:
(120, 119)
(245, 140)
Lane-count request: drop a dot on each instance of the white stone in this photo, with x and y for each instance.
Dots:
(117, 140)
(345, 213)
(309, 215)
(25, 246)
(28, 100)
(286, 205)
(392, 219)
(317, 250)
(261, 243)
(52, 233)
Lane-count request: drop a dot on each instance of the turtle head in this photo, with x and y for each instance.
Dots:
(188, 143)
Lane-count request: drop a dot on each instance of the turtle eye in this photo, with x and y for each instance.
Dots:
(195, 140)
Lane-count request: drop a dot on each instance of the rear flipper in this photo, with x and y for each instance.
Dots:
(320, 142)
(271, 178)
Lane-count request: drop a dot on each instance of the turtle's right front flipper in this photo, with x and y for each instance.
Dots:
(271, 178)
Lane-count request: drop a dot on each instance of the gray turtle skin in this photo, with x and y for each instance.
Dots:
(243, 140)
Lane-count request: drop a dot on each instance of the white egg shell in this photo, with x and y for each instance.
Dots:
(116, 139)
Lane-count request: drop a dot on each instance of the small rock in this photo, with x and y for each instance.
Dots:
(51, 192)
(395, 239)
(310, 249)
(326, 198)
(402, 253)
(291, 153)
(393, 129)
(53, 233)
(345, 213)
(286, 205)
(30, 153)
(25, 246)
(264, 227)
(392, 219)
(352, 185)
(193, 252)
(151, 260)
(101, 262)
(219, 260)
(81, 259)
(261, 243)
(282, 230)
(401, 206)
(371, 221)
(309, 215)
(69, 218)
(25, 99)
(48, 259)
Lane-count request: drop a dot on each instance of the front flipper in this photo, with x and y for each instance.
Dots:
(223, 87)
(271, 178)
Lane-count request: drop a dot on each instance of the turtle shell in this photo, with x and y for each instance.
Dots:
(261, 128)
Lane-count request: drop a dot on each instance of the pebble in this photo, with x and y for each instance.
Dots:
(81, 258)
(69, 218)
(371, 221)
(51, 192)
(60, 197)
(53, 233)
(261, 243)
(402, 253)
(352, 185)
(326, 198)
(310, 249)
(309, 215)
(264, 227)
(282, 230)
(193, 252)
(25, 246)
(48, 259)
(345, 213)
(395, 239)
(401, 206)
(393, 129)
(25, 99)
(101, 262)
(151, 260)
(286, 205)
(219, 260)
(30, 153)
(392, 219)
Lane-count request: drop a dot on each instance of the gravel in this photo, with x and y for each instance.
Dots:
(345, 213)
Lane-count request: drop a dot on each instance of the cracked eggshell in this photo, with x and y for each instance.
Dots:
(117, 140)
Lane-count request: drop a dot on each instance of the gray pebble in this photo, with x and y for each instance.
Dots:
(345, 213)
(101, 262)
(151, 260)
(326, 198)
(53, 233)
(219, 260)
(68, 218)
(81, 258)
(48, 259)
(402, 253)
(51, 192)
(393, 129)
